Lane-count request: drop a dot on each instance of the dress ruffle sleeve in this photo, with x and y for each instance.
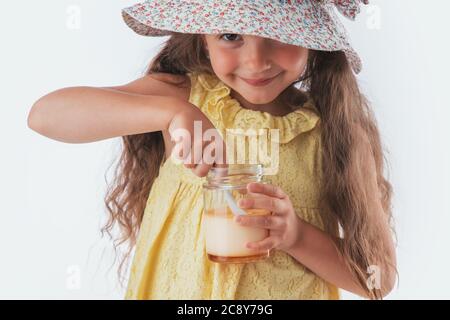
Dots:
(226, 112)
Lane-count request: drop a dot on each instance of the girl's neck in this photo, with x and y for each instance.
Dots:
(275, 108)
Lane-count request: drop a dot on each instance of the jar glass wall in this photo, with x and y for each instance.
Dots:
(226, 239)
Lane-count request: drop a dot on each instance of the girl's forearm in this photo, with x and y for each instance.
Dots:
(316, 250)
(88, 114)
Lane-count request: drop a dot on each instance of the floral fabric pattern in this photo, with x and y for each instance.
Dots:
(311, 24)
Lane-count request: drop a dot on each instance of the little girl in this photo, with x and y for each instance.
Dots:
(236, 64)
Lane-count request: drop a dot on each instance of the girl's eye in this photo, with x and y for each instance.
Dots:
(228, 34)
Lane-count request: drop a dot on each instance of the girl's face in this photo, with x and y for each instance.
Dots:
(234, 57)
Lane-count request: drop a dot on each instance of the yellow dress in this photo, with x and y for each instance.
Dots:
(170, 261)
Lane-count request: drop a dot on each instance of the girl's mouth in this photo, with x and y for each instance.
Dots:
(259, 83)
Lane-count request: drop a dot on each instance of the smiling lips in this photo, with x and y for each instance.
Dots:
(259, 82)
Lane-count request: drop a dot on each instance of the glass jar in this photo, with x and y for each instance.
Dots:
(226, 239)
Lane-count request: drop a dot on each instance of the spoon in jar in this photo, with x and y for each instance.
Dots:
(235, 209)
(232, 204)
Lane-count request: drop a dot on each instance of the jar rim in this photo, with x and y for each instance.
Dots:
(235, 169)
(228, 177)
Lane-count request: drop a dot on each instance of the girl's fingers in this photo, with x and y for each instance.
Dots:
(188, 163)
(263, 222)
(193, 157)
(264, 202)
(267, 189)
(266, 244)
(201, 156)
(198, 149)
(249, 194)
(202, 169)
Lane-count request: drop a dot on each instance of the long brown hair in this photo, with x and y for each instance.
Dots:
(344, 112)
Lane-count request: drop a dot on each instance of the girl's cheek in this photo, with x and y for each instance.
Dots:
(225, 62)
(292, 59)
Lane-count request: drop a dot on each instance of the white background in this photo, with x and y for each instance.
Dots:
(52, 193)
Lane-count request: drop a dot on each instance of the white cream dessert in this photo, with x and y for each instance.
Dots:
(226, 240)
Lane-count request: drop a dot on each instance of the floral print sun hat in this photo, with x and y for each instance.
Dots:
(312, 24)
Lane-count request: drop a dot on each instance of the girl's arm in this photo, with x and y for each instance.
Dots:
(311, 246)
(316, 249)
(88, 114)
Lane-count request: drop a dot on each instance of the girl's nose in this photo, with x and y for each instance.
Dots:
(257, 62)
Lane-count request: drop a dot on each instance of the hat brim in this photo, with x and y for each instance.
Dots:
(305, 23)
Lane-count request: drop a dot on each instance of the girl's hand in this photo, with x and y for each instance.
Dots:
(284, 225)
(198, 143)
